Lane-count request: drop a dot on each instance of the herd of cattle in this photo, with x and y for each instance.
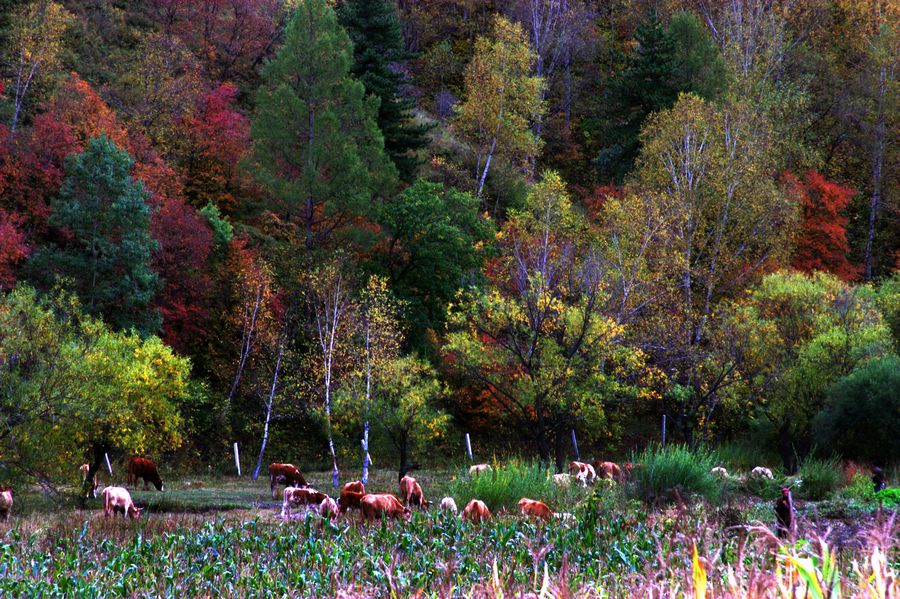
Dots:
(353, 496)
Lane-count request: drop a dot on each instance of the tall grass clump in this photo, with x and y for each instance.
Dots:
(820, 478)
(506, 484)
(663, 470)
(740, 457)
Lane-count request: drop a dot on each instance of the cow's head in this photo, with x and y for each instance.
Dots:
(134, 511)
(406, 514)
(158, 483)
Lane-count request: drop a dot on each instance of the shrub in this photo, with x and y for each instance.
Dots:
(506, 484)
(861, 418)
(665, 469)
(820, 478)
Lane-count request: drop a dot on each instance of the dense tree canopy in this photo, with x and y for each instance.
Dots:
(390, 222)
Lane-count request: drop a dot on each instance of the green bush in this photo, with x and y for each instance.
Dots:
(506, 484)
(676, 467)
(820, 478)
(859, 489)
(861, 418)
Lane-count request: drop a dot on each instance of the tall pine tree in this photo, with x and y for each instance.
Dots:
(668, 60)
(374, 28)
(106, 253)
(317, 147)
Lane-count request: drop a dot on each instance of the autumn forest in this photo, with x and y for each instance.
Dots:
(336, 231)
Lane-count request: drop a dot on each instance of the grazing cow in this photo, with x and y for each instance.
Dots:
(628, 469)
(383, 505)
(479, 469)
(719, 472)
(609, 470)
(583, 473)
(349, 500)
(761, 472)
(535, 509)
(300, 496)
(145, 469)
(784, 514)
(285, 474)
(328, 508)
(356, 486)
(562, 480)
(85, 470)
(118, 499)
(448, 505)
(6, 502)
(476, 511)
(411, 492)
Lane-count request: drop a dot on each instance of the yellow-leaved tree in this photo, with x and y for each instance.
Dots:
(502, 99)
(71, 388)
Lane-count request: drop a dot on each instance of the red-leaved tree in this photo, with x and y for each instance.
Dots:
(822, 238)
(219, 137)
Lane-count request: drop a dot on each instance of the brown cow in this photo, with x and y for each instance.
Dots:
(285, 474)
(300, 496)
(145, 469)
(117, 499)
(356, 486)
(476, 511)
(411, 493)
(377, 506)
(6, 502)
(583, 473)
(535, 509)
(608, 470)
(349, 500)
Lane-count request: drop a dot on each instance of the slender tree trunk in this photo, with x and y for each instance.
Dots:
(269, 404)
(567, 102)
(560, 445)
(786, 449)
(877, 171)
(246, 344)
(96, 464)
(403, 447)
(487, 166)
(365, 442)
(365, 445)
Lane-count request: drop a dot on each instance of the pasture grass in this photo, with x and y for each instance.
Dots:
(819, 478)
(506, 484)
(675, 471)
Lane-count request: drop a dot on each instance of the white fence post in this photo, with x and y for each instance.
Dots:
(237, 458)
(108, 465)
(469, 447)
(664, 431)
(575, 445)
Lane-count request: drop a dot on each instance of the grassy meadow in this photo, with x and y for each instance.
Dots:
(222, 536)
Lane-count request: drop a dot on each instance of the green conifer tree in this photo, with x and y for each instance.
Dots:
(316, 143)
(374, 28)
(106, 251)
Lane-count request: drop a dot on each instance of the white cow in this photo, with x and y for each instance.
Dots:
(117, 499)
